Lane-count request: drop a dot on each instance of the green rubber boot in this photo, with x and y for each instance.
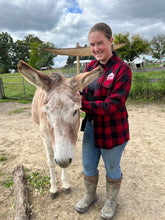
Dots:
(112, 189)
(90, 197)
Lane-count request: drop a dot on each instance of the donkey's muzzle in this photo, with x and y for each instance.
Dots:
(63, 163)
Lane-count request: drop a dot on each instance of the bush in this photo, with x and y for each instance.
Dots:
(144, 89)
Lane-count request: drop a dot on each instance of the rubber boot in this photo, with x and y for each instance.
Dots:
(112, 190)
(90, 197)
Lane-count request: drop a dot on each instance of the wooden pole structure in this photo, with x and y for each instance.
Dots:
(78, 51)
(78, 61)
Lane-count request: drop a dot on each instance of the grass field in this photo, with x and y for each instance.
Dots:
(146, 86)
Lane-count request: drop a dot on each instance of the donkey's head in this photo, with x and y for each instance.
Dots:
(61, 105)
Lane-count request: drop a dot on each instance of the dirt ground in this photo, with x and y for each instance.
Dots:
(142, 194)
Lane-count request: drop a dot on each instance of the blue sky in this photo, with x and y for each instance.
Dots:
(75, 8)
(66, 22)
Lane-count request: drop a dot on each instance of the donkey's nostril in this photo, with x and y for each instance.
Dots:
(70, 160)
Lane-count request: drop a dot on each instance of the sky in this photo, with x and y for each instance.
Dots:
(66, 22)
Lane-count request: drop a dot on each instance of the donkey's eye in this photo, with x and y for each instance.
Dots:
(74, 112)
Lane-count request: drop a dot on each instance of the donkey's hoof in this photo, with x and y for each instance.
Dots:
(66, 191)
(53, 195)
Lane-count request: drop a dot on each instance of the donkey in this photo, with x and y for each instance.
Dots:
(56, 109)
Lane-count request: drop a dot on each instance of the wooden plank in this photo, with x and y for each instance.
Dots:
(78, 51)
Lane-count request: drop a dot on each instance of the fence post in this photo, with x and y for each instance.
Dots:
(2, 94)
(24, 87)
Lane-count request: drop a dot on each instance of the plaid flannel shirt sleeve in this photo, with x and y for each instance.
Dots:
(114, 102)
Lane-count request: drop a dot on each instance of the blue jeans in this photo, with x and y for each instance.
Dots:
(91, 155)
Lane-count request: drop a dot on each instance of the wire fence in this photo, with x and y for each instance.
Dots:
(16, 87)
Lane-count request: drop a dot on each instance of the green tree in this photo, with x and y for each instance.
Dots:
(31, 39)
(28, 42)
(34, 54)
(158, 47)
(70, 60)
(6, 52)
(21, 52)
(30, 49)
(22, 49)
(135, 47)
(46, 58)
(40, 58)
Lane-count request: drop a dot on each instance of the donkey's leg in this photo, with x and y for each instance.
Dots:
(64, 178)
(51, 162)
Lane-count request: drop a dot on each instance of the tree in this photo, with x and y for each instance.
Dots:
(22, 49)
(6, 52)
(70, 60)
(47, 57)
(40, 58)
(158, 47)
(34, 54)
(29, 40)
(136, 46)
(30, 49)
(21, 52)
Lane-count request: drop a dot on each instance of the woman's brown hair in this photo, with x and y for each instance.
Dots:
(102, 27)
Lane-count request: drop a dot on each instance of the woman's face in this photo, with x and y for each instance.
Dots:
(100, 46)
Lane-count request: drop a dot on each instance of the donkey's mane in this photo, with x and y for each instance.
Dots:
(57, 77)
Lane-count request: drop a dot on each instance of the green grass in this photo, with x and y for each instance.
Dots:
(149, 75)
(35, 180)
(15, 89)
(3, 159)
(23, 101)
(151, 65)
(19, 110)
(9, 182)
(2, 173)
(146, 86)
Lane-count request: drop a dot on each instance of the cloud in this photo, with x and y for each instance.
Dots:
(66, 22)
(31, 15)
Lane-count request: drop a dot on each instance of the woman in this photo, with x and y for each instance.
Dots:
(106, 129)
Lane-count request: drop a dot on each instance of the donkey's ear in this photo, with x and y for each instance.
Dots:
(82, 80)
(34, 76)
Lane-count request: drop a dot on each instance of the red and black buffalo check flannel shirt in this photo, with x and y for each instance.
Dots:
(108, 110)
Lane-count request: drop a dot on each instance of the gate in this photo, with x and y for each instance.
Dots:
(16, 87)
